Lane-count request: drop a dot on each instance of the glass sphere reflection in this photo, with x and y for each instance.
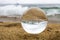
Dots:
(34, 20)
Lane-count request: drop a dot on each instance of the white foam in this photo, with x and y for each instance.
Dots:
(12, 10)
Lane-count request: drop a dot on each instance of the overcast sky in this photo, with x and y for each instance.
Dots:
(30, 1)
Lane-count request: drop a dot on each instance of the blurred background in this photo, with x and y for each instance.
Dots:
(13, 9)
(16, 10)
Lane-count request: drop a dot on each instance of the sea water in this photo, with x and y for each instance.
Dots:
(34, 27)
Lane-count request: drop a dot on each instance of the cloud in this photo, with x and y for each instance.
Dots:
(30, 1)
(39, 1)
(7, 1)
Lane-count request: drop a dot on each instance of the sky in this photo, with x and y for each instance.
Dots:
(30, 1)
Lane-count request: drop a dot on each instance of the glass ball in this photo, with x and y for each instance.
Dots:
(34, 20)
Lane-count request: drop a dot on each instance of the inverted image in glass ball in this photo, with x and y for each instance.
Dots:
(34, 20)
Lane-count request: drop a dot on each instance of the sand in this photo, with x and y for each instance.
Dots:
(34, 14)
(14, 31)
